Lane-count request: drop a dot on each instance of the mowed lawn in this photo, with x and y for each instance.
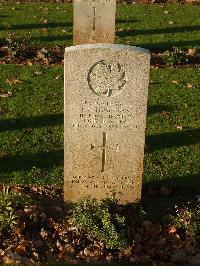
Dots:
(157, 27)
(31, 119)
(31, 128)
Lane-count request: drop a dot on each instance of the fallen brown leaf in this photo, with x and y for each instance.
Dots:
(45, 21)
(43, 233)
(35, 255)
(172, 230)
(5, 94)
(109, 257)
(13, 81)
(166, 114)
(179, 127)
(189, 85)
(192, 51)
(21, 250)
(2, 254)
(175, 81)
(29, 63)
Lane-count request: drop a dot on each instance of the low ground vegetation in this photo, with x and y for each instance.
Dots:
(94, 232)
(34, 226)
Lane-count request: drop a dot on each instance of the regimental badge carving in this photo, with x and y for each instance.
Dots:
(107, 79)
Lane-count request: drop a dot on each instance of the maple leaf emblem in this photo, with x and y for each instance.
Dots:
(107, 79)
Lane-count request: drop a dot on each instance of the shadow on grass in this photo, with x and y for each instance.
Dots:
(41, 39)
(162, 46)
(37, 26)
(187, 182)
(3, 41)
(135, 32)
(41, 160)
(175, 139)
(153, 109)
(46, 160)
(126, 20)
(31, 122)
(184, 189)
(3, 16)
(52, 38)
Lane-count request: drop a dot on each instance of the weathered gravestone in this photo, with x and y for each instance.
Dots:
(94, 21)
(105, 105)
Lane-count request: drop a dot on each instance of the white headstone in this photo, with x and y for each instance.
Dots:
(94, 21)
(105, 104)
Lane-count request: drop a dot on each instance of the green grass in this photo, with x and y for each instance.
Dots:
(149, 26)
(172, 156)
(141, 25)
(31, 127)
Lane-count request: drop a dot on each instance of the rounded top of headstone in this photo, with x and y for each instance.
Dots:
(108, 46)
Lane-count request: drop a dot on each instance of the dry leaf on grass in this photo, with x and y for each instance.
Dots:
(13, 81)
(192, 51)
(5, 94)
(179, 127)
(29, 63)
(189, 85)
(175, 81)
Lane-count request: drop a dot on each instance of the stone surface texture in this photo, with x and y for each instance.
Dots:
(93, 21)
(105, 105)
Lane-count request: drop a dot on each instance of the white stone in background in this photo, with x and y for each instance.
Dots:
(93, 21)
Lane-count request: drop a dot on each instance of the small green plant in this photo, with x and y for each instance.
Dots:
(6, 208)
(188, 219)
(100, 220)
(176, 57)
(9, 203)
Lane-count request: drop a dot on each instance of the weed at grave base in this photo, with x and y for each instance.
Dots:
(9, 203)
(6, 209)
(100, 220)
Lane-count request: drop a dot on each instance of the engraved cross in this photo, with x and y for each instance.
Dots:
(94, 18)
(104, 149)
